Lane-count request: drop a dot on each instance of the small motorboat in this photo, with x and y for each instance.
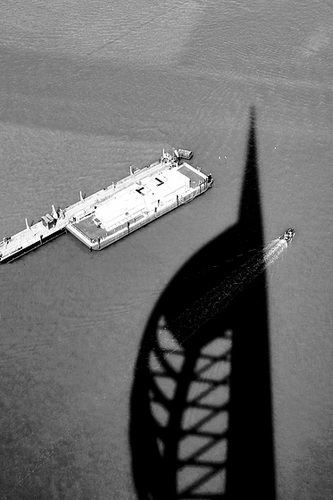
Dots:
(288, 235)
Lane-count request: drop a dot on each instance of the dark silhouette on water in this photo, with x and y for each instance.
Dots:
(201, 411)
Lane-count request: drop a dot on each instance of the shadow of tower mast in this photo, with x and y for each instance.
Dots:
(250, 441)
(201, 418)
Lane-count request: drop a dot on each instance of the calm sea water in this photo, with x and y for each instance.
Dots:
(87, 90)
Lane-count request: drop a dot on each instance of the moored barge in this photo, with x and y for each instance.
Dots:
(116, 211)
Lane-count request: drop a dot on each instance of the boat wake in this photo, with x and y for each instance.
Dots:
(203, 309)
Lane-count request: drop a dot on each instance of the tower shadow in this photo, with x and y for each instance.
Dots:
(201, 411)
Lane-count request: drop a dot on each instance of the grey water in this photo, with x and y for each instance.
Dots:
(88, 89)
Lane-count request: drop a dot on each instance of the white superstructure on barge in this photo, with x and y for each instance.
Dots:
(114, 212)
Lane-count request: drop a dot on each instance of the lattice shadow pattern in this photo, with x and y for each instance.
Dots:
(201, 416)
(191, 436)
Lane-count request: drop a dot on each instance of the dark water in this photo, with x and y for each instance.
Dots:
(87, 91)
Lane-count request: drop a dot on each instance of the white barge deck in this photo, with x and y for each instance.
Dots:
(113, 212)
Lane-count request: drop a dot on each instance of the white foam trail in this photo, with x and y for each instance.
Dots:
(273, 250)
(219, 297)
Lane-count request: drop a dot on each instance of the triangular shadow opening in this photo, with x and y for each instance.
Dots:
(201, 411)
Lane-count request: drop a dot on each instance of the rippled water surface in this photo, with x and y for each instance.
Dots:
(88, 89)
